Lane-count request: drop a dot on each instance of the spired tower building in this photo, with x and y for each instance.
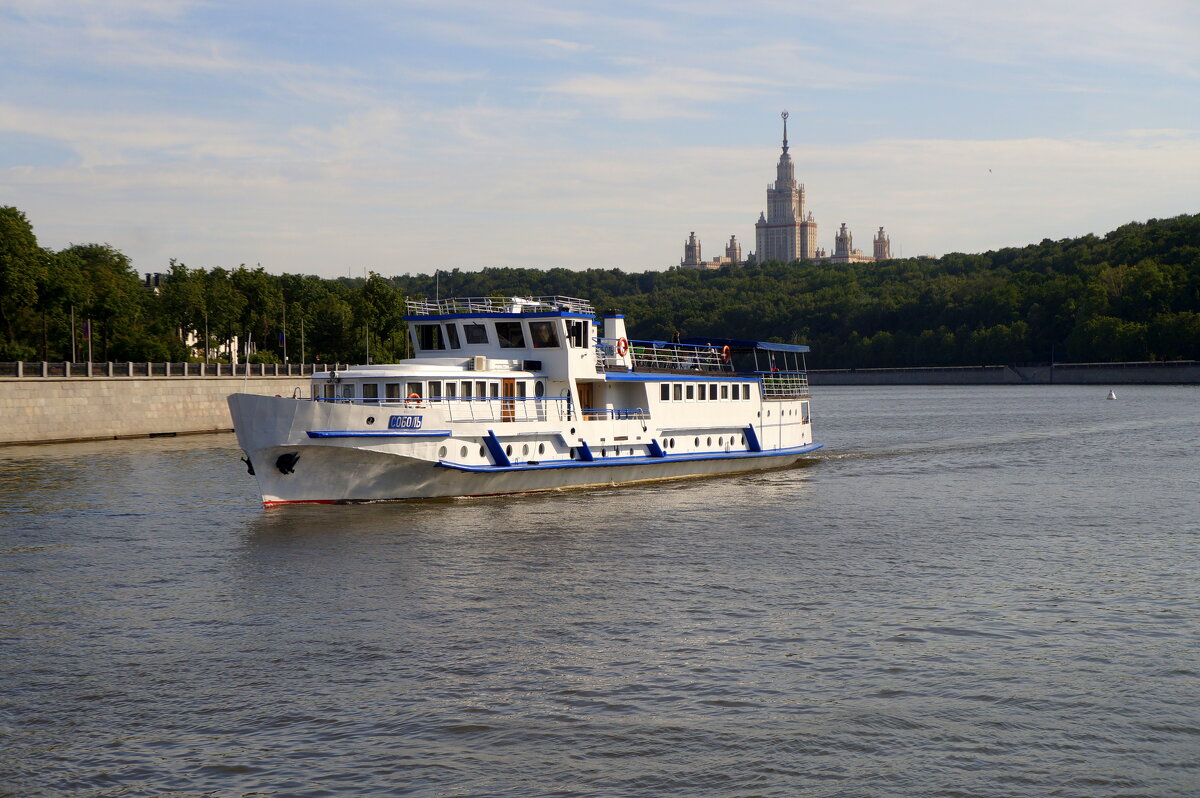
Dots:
(784, 232)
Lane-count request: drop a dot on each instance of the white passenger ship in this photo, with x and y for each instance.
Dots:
(527, 394)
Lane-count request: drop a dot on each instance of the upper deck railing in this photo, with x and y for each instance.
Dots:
(784, 384)
(662, 356)
(491, 304)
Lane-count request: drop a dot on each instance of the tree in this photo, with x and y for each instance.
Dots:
(22, 267)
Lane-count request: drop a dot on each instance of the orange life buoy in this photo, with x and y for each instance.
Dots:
(622, 347)
(411, 397)
(726, 354)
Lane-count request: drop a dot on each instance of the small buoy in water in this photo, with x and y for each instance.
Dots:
(1111, 394)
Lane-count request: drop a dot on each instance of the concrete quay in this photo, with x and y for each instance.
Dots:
(1180, 372)
(63, 409)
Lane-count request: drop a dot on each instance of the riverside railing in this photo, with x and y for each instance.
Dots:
(60, 368)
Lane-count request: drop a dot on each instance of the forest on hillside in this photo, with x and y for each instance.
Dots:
(1133, 294)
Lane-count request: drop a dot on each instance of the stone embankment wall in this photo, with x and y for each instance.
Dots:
(1183, 372)
(52, 410)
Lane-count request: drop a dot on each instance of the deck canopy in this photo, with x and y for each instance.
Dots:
(739, 345)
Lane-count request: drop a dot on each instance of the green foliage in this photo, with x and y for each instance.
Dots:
(1133, 294)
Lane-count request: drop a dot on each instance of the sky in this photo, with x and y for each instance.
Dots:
(404, 136)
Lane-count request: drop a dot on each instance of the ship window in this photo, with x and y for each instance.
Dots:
(691, 391)
(466, 386)
(392, 390)
(451, 390)
(745, 391)
(347, 391)
(575, 333)
(543, 334)
(462, 452)
(520, 389)
(724, 391)
(677, 392)
(429, 336)
(371, 391)
(435, 390)
(539, 389)
(475, 333)
(452, 336)
(414, 388)
(510, 335)
(495, 394)
(703, 392)
(481, 390)
(712, 391)
(804, 412)
(665, 392)
(737, 392)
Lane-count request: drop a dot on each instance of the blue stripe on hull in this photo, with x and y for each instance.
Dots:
(601, 462)
(336, 433)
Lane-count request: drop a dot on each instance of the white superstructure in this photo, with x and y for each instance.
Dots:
(526, 394)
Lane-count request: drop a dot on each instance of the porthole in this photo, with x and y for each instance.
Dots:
(541, 448)
(572, 452)
(572, 430)
(696, 443)
(481, 452)
(743, 440)
(720, 441)
(604, 452)
(709, 441)
(508, 450)
(463, 452)
(370, 419)
(672, 443)
(525, 450)
(442, 453)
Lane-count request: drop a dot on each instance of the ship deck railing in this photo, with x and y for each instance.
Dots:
(783, 384)
(478, 408)
(660, 356)
(616, 414)
(490, 304)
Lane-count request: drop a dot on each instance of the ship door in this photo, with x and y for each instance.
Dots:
(586, 399)
(508, 408)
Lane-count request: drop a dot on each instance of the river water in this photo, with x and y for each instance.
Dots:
(983, 591)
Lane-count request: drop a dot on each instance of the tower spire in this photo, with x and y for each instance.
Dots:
(784, 116)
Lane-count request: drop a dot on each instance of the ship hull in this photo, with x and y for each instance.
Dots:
(292, 467)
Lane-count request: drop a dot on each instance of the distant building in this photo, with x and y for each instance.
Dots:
(787, 231)
(883, 246)
(693, 260)
(691, 252)
(844, 251)
(784, 232)
(733, 250)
